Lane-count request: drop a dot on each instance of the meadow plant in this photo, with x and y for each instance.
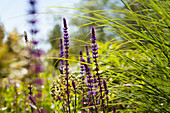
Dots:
(89, 88)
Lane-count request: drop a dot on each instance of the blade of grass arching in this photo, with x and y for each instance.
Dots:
(151, 50)
(161, 38)
(143, 48)
(118, 25)
(99, 20)
(128, 30)
(77, 40)
(158, 58)
(159, 9)
(134, 64)
(151, 34)
(87, 16)
(71, 60)
(87, 10)
(164, 94)
(131, 11)
(158, 61)
(125, 36)
(164, 34)
(128, 60)
(137, 45)
(77, 15)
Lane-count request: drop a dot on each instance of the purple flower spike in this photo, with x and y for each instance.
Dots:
(74, 87)
(33, 21)
(66, 44)
(94, 49)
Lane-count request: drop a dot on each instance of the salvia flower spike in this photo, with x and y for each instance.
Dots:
(66, 44)
(94, 49)
(35, 66)
(33, 20)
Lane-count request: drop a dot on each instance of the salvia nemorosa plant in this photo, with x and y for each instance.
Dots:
(94, 48)
(93, 89)
(34, 63)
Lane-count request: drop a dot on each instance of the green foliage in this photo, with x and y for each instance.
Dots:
(54, 36)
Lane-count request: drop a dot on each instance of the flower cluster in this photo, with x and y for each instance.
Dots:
(94, 49)
(94, 90)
